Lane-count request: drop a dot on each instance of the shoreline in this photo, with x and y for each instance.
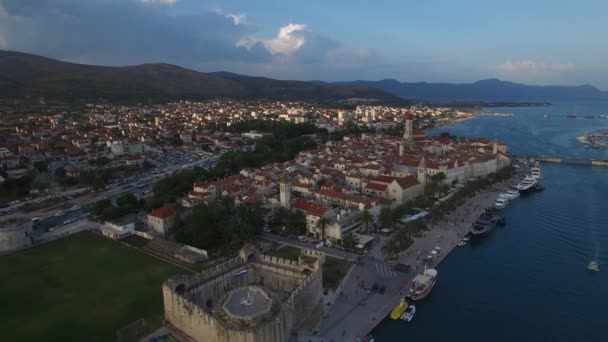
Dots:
(359, 317)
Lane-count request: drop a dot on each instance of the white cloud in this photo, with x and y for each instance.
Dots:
(159, 2)
(533, 66)
(238, 19)
(247, 43)
(289, 40)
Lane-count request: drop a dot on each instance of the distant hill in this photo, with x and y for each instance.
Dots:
(491, 90)
(25, 75)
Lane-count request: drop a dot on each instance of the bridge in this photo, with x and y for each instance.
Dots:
(569, 160)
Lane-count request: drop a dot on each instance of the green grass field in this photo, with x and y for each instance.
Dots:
(334, 270)
(287, 252)
(80, 288)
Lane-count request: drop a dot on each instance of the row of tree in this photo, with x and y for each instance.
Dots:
(220, 227)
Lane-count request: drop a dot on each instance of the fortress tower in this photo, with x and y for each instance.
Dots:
(408, 134)
(285, 192)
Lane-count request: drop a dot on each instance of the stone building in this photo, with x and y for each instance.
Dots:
(251, 298)
(162, 219)
(15, 234)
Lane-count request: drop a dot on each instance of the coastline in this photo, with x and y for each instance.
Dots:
(352, 318)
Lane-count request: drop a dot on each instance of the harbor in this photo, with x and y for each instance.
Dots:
(357, 309)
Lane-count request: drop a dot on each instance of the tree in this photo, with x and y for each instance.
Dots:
(322, 225)
(101, 206)
(366, 219)
(391, 248)
(349, 240)
(127, 201)
(40, 166)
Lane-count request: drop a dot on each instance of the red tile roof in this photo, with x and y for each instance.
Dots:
(163, 212)
(376, 186)
(311, 208)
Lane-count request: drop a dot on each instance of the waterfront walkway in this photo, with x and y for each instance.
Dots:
(356, 311)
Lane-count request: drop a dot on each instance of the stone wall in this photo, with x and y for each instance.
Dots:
(15, 235)
(192, 302)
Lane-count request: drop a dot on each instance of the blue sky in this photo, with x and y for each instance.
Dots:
(536, 42)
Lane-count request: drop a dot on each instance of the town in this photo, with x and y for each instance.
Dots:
(194, 183)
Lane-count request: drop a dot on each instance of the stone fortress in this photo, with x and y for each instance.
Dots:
(15, 234)
(251, 298)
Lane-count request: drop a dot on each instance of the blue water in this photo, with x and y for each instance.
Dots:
(528, 281)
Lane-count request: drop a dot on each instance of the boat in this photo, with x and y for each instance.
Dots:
(462, 244)
(59, 213)
(535, 171)
(593, 266)
(409, 313)
(571, 116)
(422, 284)
(399, 309)
(484, 225)
(74, 208)
(465, 239)
(501, 203)
(512, 194)
(539, 186)
(526, 184)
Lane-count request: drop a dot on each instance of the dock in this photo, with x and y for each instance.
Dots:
(569, 160)
(355, 312)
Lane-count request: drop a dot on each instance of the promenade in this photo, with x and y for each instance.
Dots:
(356, 311)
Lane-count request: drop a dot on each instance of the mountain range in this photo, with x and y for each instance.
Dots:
(25, 75)
(490, 90)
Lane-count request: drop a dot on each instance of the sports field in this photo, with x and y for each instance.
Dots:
(81, 288)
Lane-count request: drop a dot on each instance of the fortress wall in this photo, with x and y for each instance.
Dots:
(277, 278)
(306, 296)
(189, 318)
(14, 235)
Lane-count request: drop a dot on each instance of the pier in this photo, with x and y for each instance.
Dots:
(569, 160)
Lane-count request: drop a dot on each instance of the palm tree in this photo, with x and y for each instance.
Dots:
(321, 225)
(366, 218)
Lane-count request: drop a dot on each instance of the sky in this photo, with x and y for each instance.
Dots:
(533, 42)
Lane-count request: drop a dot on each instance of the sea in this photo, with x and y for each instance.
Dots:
(528, 280)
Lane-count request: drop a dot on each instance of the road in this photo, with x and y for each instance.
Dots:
(295, 243)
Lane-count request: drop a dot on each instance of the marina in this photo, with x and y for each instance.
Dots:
(546, 259)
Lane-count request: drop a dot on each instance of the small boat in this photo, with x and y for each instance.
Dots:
(59, 213)
(465, 239)
(74, 208)
(501, 203)
(409, 313)
(535, 172)
(512, 194)
(462, 244)
(399, 309)
(593, 266)
(68, 221)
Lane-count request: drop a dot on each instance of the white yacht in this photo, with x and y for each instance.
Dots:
(594, 266)
(501, 203)
(535, 172)
(526, 184)
(512, 194)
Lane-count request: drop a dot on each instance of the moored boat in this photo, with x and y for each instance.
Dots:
(512, 194)
(422, 284)
(484, 225)
(462, 244)
(501, 203)
(593, 266)
(535, 172)
(399, 309)
(409, 313)
(526, 184)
